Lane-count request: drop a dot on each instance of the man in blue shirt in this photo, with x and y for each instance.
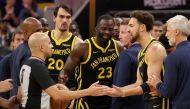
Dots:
(22, 53)
(176, 83)
(6, 62)
(125, 70)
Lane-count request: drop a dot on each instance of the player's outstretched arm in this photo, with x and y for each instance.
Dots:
(94, 90)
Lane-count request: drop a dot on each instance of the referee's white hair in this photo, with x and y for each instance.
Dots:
(181, 23)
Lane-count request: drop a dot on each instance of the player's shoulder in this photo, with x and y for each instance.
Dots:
(83, 45)
(156, 50)
(156, 47)
(78, 40)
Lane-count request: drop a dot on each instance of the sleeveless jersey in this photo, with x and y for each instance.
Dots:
(99, 66)
(143, 72)
(60, 51)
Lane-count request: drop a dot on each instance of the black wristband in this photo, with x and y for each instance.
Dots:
(158, 85)
(145, 87)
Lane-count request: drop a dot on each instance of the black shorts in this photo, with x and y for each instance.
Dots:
(155, 103)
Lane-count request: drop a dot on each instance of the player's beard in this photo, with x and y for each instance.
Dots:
(135, 37)
(64, 27)
(103, 38)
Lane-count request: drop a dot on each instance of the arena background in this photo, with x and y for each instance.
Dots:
(87, 11)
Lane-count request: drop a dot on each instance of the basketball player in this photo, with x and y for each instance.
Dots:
(150, 58)
(96, 57)
(62, 40)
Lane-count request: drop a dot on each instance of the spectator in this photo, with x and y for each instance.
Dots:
(10, 12)
(74, 28)
(157, 29)
(5, 33)
(163, 39)
(44, 23)
(117, 22)
(30, 10)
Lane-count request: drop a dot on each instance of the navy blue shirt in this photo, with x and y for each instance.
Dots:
(5, 72)
(124, 74)
(5, 65)
(21, 54)
(176, 85)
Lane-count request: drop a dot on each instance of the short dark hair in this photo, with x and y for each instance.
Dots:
(144, 17)
(104, 17)
(75, 23)
(17, 31)
(63, 6)
(158, 23)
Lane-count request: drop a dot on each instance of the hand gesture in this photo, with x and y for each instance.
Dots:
(115, 91)
(61, 87)
(153, 91)
(97, 90)
(6, 85)
(153, 81)
(13, 102)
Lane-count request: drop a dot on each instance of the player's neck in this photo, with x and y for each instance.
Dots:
(59, 35)
(144, 39)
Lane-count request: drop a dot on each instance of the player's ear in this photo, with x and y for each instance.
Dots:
(54, 19)
(41, 47)
(96, 29)
(142, 27)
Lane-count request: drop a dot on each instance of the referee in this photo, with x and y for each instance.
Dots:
(36, 86)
